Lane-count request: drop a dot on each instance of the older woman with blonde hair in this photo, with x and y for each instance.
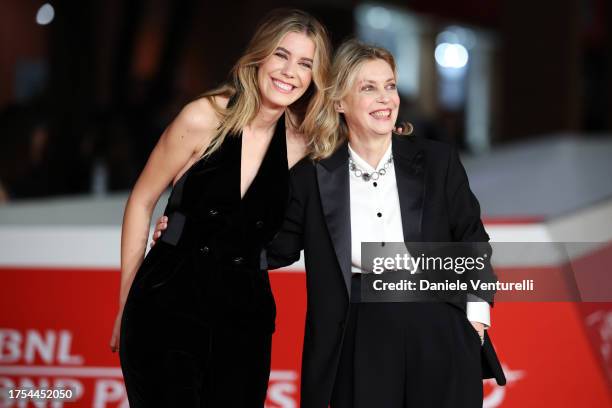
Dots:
(196, 316)
(368, 185)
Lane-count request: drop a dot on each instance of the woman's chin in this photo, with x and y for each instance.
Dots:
(280, 101)
(382, 130)
(380, 127)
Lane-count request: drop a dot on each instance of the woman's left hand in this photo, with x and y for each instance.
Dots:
(480, 328)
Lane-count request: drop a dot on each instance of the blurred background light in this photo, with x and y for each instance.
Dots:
(451, 55)
(400, 32)
(379, 18)
(45, 14)
(457, 35)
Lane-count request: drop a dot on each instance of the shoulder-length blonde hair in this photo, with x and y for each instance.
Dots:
(349, 57)
(243, 88)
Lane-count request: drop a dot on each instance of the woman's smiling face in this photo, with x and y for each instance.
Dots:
(372, 103)
(286, 74)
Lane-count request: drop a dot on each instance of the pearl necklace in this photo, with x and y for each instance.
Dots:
(364, 175)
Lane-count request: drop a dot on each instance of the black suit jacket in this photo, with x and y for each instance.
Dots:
(437, 205)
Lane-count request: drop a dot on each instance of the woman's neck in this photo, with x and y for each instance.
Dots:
(371, 149)
(265, 120)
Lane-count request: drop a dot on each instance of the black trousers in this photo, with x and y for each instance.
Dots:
(174, 354)
(408, 355)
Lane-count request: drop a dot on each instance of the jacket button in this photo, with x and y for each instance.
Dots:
(238, 260)
(259, 224)
(212, 212)
(204, 250)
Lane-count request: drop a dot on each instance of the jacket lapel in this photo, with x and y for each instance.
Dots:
(409, 163)
(333, 179)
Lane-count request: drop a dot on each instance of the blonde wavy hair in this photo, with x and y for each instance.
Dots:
(349, 57)
(304, 114)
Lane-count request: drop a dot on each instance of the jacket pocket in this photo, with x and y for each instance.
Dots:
(472, 332)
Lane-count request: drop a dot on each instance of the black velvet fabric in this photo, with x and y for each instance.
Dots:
(197, 325)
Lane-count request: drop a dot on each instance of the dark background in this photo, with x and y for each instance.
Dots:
(84, 99)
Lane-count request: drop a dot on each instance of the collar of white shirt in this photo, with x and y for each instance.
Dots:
(364, 165)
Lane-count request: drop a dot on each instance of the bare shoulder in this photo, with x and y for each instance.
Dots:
(198, 115)
(220, 100)
(196, 124)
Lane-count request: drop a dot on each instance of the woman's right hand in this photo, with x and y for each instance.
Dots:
(160, 226)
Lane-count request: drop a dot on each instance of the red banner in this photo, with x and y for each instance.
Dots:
(55, 326)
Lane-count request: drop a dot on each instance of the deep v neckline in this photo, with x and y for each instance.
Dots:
(280, 126)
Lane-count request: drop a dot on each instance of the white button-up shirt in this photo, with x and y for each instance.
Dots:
(376, 217)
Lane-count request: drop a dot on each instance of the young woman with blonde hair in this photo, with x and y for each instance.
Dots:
(196, 316)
